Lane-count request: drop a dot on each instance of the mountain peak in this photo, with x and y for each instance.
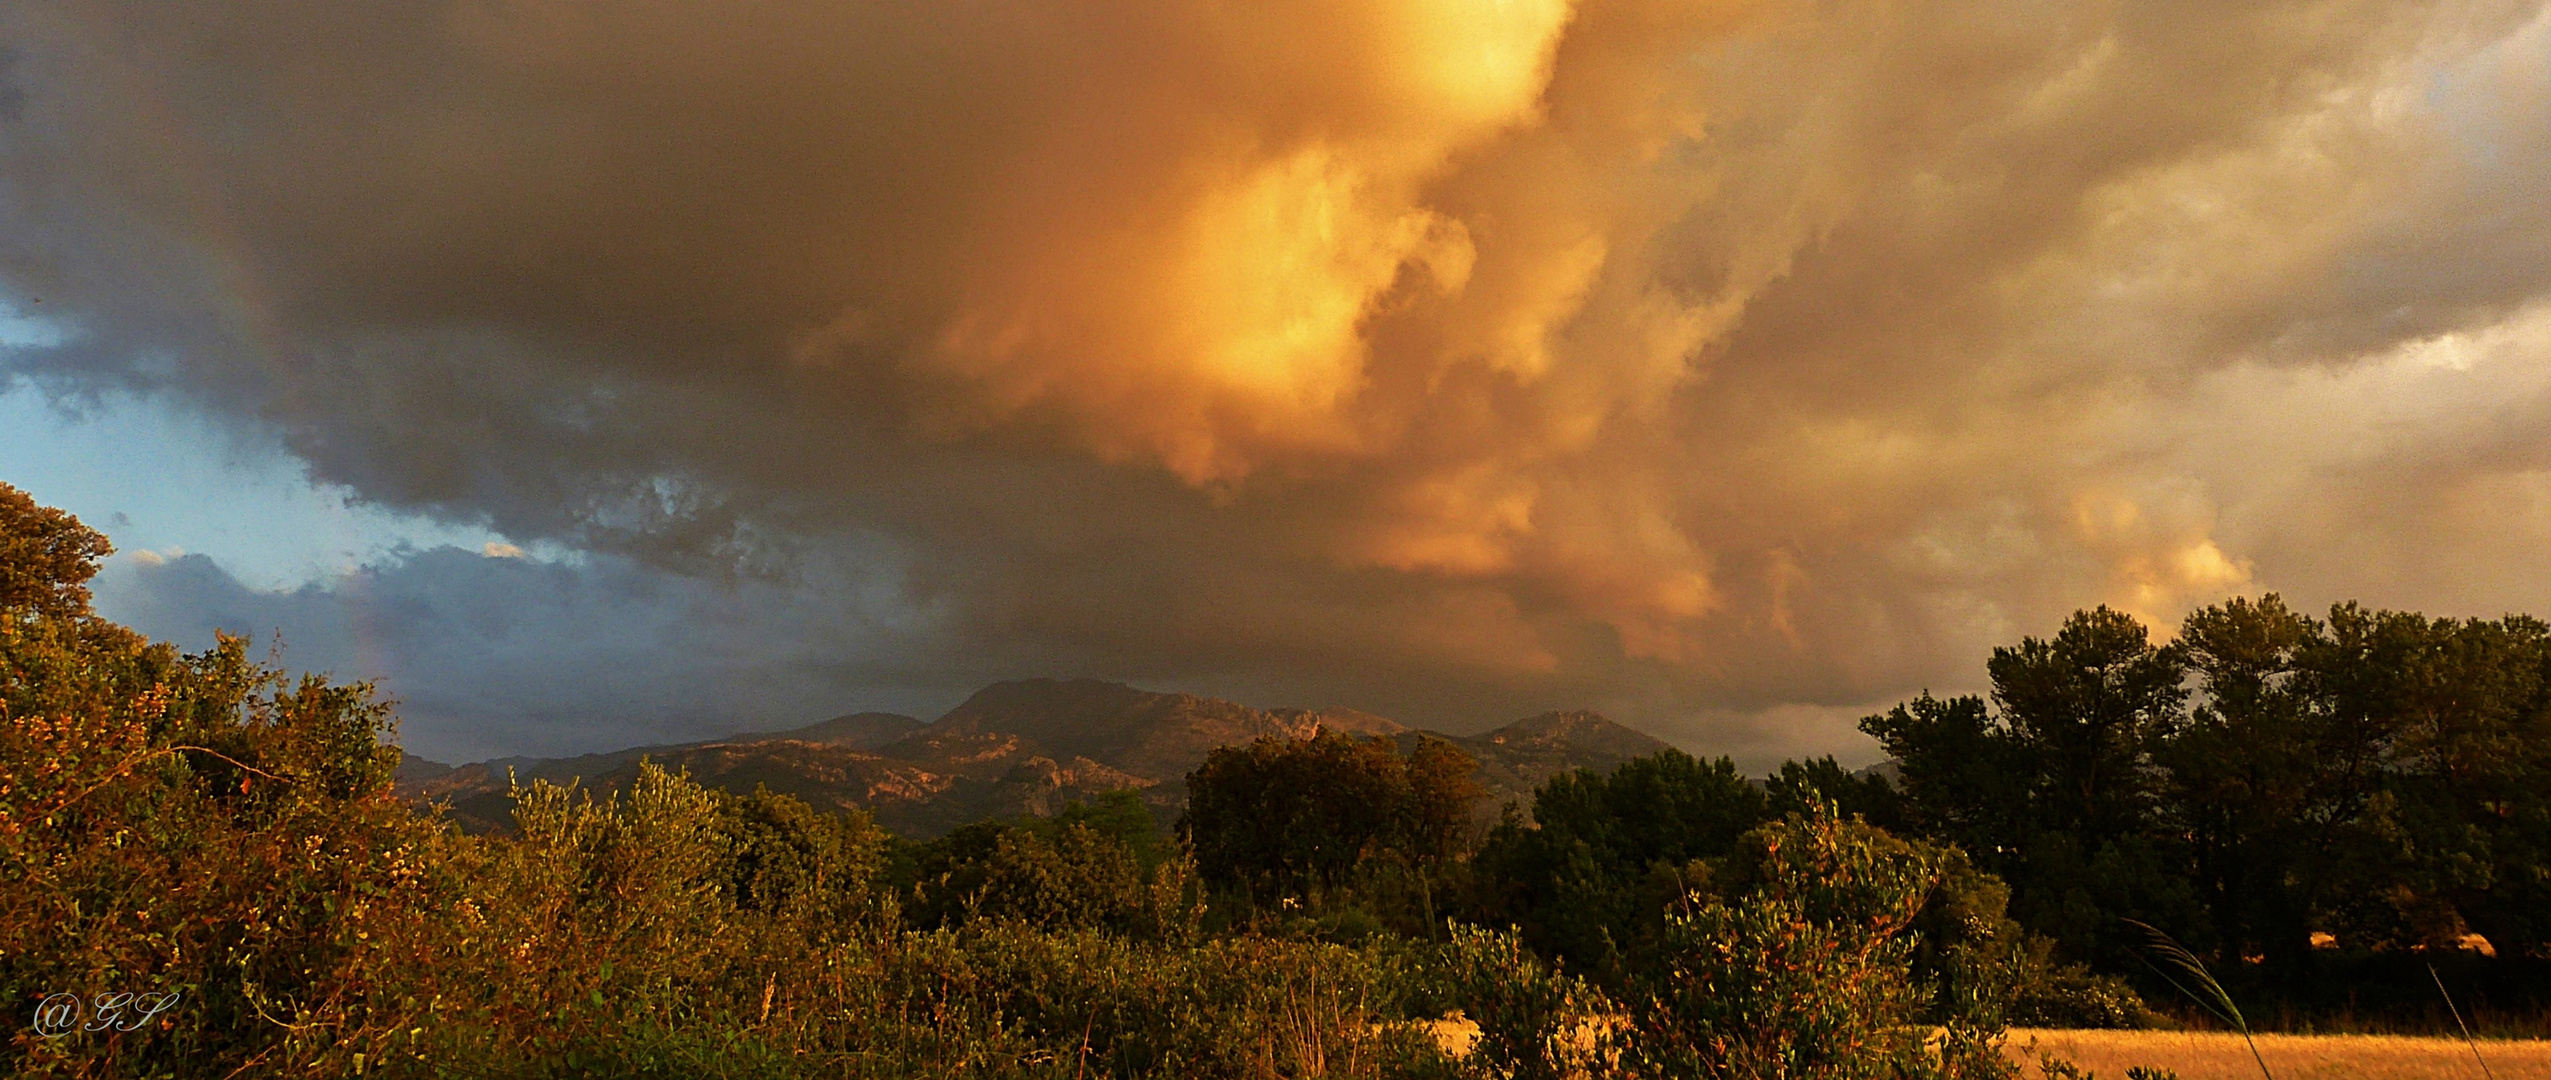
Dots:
(1580, 728)
(859, 731)
(1521, 756)
(1066, 718)
(1073, 710)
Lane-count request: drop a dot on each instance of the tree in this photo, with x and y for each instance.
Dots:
(1094, 865)
(1603, 853)
(781, 854)
(2378, 777)
(1286, 817)
(2260, 778)
(2091, 705)
(1966, 778)
(46, 558)
(1802, 786)
(200, 822)
(2456, 716)
(2055, 788)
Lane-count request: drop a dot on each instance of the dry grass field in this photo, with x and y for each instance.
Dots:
(2221, 1056)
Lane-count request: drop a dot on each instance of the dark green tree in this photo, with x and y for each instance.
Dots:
(2056, 789)
(2459, 833)
(2261, 780)
(1097, 864)
(1965, 778)
(2377, 777)
(2090, 706)
(1291, 817)
(1604, 853)
(1802, 786)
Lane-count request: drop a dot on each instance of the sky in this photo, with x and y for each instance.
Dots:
(598, 375)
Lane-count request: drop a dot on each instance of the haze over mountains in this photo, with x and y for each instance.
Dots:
(1024, 747)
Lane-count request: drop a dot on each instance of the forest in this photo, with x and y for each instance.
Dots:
(2337, 817)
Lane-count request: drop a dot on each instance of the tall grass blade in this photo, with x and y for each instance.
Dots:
(2214, 999)
(2467, 1040)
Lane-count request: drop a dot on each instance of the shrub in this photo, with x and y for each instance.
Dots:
(201, 824)
(1535, 1022)
(1798, 961)
(1068, 873)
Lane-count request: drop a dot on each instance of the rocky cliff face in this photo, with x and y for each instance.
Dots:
(1025, 747)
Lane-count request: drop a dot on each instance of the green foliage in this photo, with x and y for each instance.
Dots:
(2050, 994)
(208, 824)
(1802, 786)
(1798, 961)
(1119, 815)
(202, 824)
(1097, 865)
(1966, 779)
(2054, 789)
(1535, 1022)
(1605, 853)
(1288, 818)
(1245, 1006)
(783, 855)
(46, 559)
(2379, 779)
(2090, 705)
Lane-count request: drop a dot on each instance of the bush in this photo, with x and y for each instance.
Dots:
(2072, 996)
(1798, 960)
(1535, 1023)
(1088, 868)
(198, 824)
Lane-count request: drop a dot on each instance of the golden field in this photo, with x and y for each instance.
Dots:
(2221, 1055)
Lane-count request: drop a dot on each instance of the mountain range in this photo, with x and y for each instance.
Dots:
(1024, 747)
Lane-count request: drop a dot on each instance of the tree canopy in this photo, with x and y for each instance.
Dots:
(1281, 817)
(2378, 778)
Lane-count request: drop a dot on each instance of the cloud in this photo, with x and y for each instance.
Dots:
(1745, 359)
(491, 656)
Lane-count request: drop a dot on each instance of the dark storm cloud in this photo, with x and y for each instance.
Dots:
(1724, 365)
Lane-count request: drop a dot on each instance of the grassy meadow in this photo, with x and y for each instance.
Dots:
(2219, 1055)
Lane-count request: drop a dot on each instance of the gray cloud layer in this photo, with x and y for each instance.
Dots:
(497, 656)
(1724, 365)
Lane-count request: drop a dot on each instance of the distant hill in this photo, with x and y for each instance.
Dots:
(1160, 736)
(1518, 757)
(858, 731)
(1024, 747)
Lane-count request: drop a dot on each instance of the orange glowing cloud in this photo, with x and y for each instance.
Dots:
(1688, 358)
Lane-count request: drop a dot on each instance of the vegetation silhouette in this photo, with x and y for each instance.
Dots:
(1333, 906)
